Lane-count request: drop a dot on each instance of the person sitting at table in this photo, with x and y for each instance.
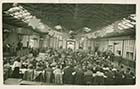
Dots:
(109, 80)
(129, 77)
(99, 77)
(33, 62)
(24, 64)
(118, 77)
(38, 72)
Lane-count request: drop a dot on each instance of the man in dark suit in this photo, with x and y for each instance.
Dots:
(68, 76)
(78, 80)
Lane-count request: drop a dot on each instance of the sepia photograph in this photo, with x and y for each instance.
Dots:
(69, 44)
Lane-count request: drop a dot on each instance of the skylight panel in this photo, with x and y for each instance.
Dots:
(122, 25)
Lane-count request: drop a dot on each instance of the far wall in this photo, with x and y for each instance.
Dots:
(124, 46)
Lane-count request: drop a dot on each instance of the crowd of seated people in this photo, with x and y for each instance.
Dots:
(69, 67)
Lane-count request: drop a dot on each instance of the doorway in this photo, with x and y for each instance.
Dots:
(70, 44)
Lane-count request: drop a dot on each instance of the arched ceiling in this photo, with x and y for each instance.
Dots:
(76, 16)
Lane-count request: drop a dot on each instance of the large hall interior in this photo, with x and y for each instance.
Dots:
(69, 44)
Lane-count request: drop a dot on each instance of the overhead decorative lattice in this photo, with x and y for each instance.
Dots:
(86, 29)
(18, 12)
(120, 26)
(77, 16)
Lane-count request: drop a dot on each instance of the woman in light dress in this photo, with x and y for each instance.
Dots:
(16, 67)
(58, 75)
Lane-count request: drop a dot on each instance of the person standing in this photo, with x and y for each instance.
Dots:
(88, 76)
(48, 74)
(16, 66)
(58, 75)
(68, 74)
(79, 76)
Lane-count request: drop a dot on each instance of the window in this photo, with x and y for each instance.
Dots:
(119, 52)
(129, 55)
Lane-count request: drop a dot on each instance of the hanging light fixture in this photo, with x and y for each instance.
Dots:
(86, 29)
(41, 26)
(58, 27)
